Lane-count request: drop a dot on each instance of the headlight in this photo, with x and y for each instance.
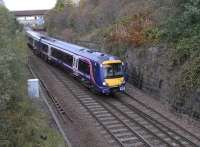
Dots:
(104, 83)
(123, 82)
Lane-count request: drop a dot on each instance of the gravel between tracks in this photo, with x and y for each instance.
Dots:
(183, 120)
(82, 131)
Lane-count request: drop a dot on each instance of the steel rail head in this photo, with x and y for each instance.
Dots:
(177, 125)
(74, 94)
(149, 118)
(158, 113)
(136, 122)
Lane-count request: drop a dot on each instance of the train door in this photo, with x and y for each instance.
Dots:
(49, 52)
(75, 65)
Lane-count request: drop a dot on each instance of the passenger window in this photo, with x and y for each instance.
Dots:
(84, 67)
(37, 44)
(68, 59)
(56, 53)
(53, 52)
(45, 48)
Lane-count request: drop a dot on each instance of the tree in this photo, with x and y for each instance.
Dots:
(20, 124)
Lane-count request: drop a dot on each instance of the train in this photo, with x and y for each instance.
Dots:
(101, 72)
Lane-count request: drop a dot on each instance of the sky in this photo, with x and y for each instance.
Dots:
(29, 4)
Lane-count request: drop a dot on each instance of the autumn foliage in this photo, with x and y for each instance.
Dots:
(132, 31)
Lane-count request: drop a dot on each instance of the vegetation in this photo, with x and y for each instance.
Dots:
(110, 22)
(182, 31)
(121, 25)
(20, 124)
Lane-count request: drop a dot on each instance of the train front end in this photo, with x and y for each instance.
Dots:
(113, 76)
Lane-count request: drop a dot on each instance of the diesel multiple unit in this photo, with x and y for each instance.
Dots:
(102, 72)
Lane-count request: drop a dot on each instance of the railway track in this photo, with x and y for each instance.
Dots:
(123, 123)
(113, 125)
(145, 124)
(59, 108)
(159, 118)
(112, 117)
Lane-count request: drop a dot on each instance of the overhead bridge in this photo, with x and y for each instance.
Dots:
(30, 13)
(31, 17)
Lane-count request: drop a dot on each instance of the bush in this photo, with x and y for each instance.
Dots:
(183, 34)
(20, 124)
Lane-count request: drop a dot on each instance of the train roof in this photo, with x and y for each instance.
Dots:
(78, 50)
